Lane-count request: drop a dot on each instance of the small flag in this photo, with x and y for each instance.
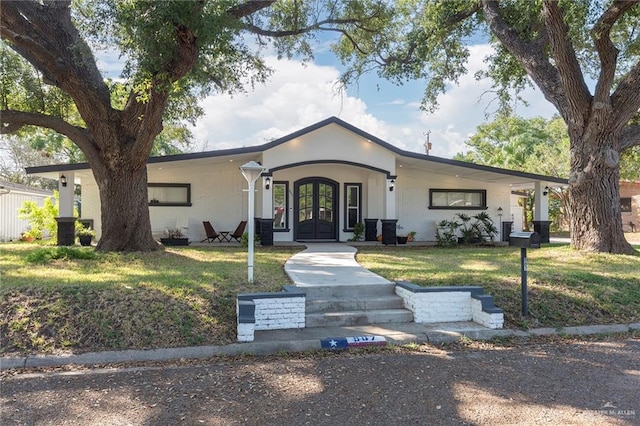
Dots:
(352, 342)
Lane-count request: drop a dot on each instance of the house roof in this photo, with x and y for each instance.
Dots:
(8, 187)
(406, 159)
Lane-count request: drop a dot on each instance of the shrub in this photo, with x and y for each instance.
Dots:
(45, 255)
(40, 219)
(358, 232)
(447, 233)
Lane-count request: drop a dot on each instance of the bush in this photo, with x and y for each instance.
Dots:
(40, 219)
(358, 232)
(481, 230)
(245, 240)
(447, 233)
(45, 255)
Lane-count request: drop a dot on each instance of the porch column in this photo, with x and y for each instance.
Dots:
(541, 223)
(374, 201)
(66, 220)
(390, 198)
(390, 221)
(265, 223)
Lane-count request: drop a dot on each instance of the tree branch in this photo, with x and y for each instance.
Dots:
(248, 8)
(607, 52)
(12, 121)
(450, 22)
(530, 55)
(569, 72)
(626, 98)
(45, 36)
(316, 26)
(630, 137)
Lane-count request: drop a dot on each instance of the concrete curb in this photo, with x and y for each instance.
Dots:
(273, 347)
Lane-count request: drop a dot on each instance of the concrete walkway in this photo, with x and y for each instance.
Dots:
(329, 264)
(320, 264)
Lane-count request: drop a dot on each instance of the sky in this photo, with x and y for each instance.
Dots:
(298, 95)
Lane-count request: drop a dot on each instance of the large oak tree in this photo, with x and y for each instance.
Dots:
(560, 46)
(172, 49)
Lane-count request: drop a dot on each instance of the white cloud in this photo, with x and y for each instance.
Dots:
(295, 97)
(465, 106)
(298, 95)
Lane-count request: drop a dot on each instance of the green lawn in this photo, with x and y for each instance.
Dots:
(566, 287)
(186, 296)
(178, 297)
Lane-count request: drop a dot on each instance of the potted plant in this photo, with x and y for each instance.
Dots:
(174, 237)
(401, 236)
(358, 232)
(28, 236)
(411, 236)
(85, 235)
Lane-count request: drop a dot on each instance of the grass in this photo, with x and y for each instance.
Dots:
(59, 299)
(565, 286)
(178, 297)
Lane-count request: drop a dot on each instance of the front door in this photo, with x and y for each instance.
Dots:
(316, 209)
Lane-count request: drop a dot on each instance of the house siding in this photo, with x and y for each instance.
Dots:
(11, 226)
(333, 151)
(631, 190)
(412, 188)
(330, 143)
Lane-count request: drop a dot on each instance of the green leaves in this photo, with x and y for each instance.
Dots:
(533, 145)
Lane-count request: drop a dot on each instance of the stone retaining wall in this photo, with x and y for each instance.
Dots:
(269, 311)
(450, 304)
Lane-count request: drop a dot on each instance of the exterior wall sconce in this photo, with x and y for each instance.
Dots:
(392, 184)
(63, 180)
(267, 183)
(546, 191)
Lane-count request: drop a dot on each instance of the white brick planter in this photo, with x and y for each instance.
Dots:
(450, 304)
(269, 311)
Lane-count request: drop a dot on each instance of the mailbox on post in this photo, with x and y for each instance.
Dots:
(524, 240)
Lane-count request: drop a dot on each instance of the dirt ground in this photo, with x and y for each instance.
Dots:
(546, 381)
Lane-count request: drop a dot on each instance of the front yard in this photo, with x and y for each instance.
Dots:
(186, 296)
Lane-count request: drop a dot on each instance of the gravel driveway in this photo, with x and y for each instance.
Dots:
(544, 381)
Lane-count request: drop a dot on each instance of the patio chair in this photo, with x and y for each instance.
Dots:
(212, 235)
(237, 234)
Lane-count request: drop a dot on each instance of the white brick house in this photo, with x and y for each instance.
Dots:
(317, 183)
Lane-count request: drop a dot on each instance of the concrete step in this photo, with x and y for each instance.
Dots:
(339, 319)
(348, 291)
(354, 304)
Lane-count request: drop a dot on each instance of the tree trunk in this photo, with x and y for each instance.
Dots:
(594, 196)
(126, 225)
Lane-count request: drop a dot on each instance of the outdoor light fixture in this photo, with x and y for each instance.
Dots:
(63, 180)
(500, 211)
(392, 184)
(546, 191)
(251, 172)
(267, 183)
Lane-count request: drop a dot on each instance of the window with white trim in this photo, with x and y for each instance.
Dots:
(352, 202)
(280, 206)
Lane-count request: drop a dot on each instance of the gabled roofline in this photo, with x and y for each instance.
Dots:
(304, 131)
